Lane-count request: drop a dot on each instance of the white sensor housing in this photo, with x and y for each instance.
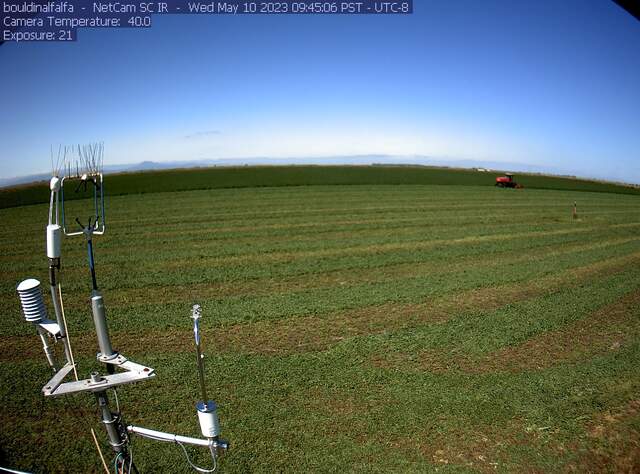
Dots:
(54, 184)
(54, 240)
(208, 418)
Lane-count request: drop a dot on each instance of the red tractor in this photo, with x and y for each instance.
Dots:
(507, 181)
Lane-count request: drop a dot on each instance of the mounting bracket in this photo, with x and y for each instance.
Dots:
(98, 383)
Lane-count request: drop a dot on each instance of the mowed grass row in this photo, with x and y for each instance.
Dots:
(140, 309)
(365, 328)
(132, 237)
(240, 205)
(347, 254)
(412, 243)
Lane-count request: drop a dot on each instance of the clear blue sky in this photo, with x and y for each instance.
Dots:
(550, 83)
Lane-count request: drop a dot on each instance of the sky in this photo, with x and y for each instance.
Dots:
(554, 84)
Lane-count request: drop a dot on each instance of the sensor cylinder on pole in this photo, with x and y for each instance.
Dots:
(207, 409)
(100, 322)
(208, 418)
(54, 240)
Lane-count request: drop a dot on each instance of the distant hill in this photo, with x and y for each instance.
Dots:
(354, 160)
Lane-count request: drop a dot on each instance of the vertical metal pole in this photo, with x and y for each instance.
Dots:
(91, 263)
(110, 422)
(116, 431)
(104, 222)
(97, 307)
(95, 199)
(196, 331)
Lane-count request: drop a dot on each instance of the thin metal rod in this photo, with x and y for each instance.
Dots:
(95, 202)
(104, 223)
(58, 310)
(57, 208)
(51, 202)
(195, 315)
(66, 332)
(63, 331)
(166, 437)
(92, 264)
(200, 358)
(48, 351)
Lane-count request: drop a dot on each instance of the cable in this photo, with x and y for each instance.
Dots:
(13, 471)
(130, 460)
(131, 465)
(115, 463)
(199, 469)
(115, 394)
(129, 454)
(186, 454)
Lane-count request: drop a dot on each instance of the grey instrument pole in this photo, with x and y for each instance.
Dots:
(97, 302)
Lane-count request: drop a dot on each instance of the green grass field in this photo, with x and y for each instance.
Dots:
(370, 328)
(276, 176)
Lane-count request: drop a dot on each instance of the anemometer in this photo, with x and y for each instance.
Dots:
(79, 170)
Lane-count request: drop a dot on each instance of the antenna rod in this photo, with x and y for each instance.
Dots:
(88, 232)
(195, 315)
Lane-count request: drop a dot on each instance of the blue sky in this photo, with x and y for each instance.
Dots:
(549, 83)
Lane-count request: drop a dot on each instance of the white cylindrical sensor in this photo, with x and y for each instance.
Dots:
(208, 418)
(31, 298)
(54, 240)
